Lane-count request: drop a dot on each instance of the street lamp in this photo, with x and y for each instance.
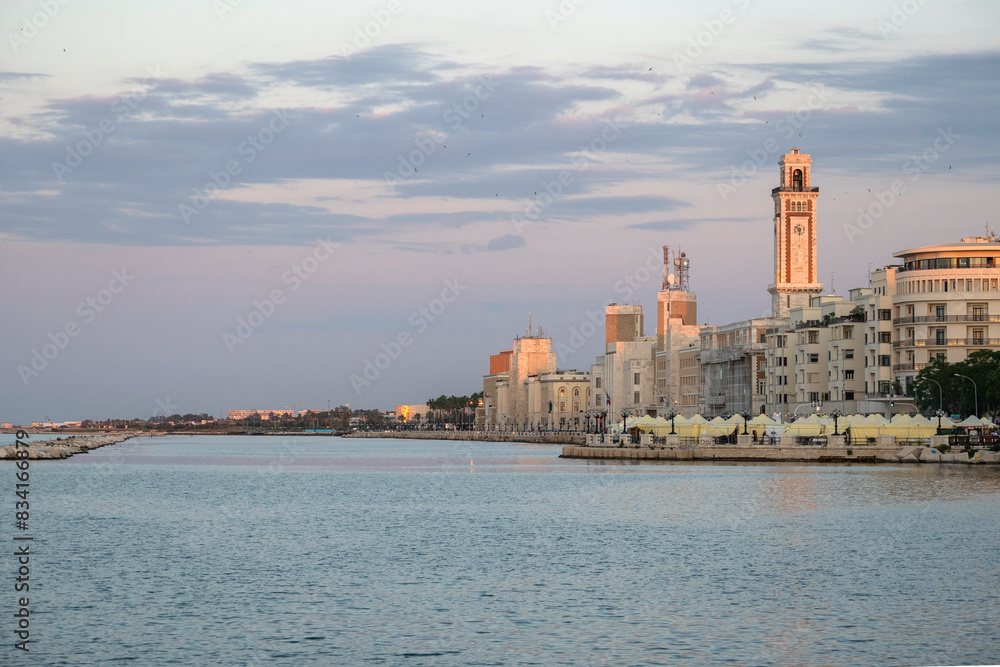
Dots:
(836, 415)
(746, 416)
(940, 413)
(625, 415)
(672, 414)
(975, 388)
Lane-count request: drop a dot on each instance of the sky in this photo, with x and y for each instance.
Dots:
(209, 205)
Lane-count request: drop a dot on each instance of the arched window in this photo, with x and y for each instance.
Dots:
(797, 180)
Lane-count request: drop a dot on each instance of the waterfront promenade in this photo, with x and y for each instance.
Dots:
(885, 449)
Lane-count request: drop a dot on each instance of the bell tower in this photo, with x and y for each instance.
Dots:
(794, 236)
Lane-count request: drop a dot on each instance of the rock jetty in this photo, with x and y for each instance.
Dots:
(62, 448)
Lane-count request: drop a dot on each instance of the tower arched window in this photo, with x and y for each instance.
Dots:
(797, 180)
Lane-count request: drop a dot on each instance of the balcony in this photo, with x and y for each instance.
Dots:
(947, 342)
(922, 319)
(793, 188)
(903, 368)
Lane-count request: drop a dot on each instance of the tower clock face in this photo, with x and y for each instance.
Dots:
(799, 230)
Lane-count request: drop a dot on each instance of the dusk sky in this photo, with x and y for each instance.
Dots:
(364, 173)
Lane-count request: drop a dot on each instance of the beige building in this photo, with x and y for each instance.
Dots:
(876, 303)
(264, 414)
(488, 416)
(863, 353)
(946, 305)
(692, 380)
(676, 328)
(558, 401)
(623, 378)
(411, 414)
(523, 383)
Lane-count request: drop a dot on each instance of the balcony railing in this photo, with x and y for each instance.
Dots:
(902, 368)
(920, 319)
(947, 342)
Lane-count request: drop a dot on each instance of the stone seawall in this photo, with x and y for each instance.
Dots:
(528, 438)
(793, 454)
(62, 448)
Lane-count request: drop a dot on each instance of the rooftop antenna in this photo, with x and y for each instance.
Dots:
(666, 269)
(529, 325)
(833, 290)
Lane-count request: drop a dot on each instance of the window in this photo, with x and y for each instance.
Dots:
(848, 375)
(939, 337)
(635, 398)
(636, 378)
(885, 313)
(939, 313)
(848, 354)
(814, 396)
(813, 337)
(813, 358)
(885, 336)
(883, 360)
(884, 386)
(849, 395)
(597, 383)
(978, 337)
(978, 313)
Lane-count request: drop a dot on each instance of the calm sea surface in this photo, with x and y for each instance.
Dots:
(327, 551)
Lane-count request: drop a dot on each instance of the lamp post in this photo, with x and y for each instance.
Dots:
(746, 416)
(625, 415)
(940, 413)
(672, 414)
(836, 415)
(975, 388)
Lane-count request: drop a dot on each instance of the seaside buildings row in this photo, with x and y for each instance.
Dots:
(856, 353)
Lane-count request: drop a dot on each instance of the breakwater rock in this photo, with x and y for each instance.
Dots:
(478, 436)
(62, 448)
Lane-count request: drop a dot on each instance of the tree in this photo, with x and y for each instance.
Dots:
(957, 395)
(342, 417)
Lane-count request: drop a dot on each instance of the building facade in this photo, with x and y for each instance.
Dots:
(946, 304)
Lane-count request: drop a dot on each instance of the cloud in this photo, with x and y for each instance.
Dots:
(17, 76)
(678, 224)
(506, 242)
(391, 109)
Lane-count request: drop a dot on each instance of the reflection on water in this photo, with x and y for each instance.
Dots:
(228, 550)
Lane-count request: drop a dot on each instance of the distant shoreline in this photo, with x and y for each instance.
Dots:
(553, 438)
